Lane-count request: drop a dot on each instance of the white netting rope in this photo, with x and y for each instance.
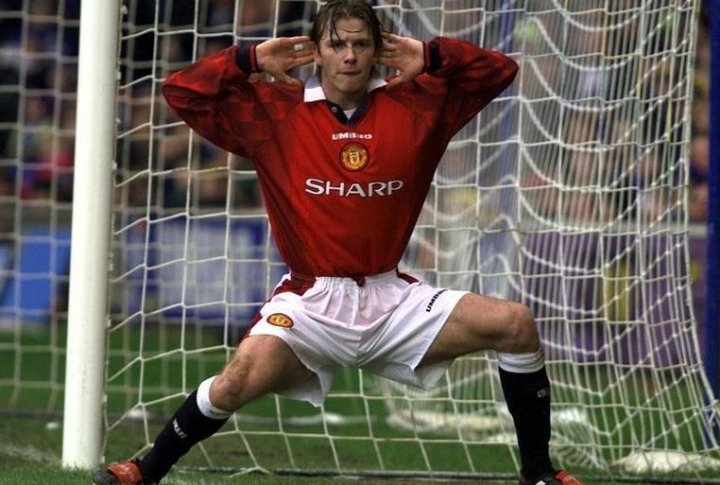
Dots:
(566, 192)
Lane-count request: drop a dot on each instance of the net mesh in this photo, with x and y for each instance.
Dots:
(568, 193)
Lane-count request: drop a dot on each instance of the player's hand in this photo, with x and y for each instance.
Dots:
(277, 56)
(404, 54)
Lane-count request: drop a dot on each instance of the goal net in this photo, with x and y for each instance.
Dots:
(567, 193)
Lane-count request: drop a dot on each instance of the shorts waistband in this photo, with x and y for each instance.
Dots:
(360, 280)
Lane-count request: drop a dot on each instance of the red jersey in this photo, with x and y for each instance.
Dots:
(342, 198)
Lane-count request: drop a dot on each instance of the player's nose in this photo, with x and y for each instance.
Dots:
(350, 55)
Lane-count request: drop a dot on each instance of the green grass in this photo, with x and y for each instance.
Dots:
(31, 447)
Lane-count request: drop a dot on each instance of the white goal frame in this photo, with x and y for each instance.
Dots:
(90, 247)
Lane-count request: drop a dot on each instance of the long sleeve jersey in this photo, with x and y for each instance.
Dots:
(342, 198)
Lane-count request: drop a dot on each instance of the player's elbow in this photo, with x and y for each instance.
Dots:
(508, 70)
(171, 92)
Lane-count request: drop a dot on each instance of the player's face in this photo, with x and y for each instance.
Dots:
(346, 61)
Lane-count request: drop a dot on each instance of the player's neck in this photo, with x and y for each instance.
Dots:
(345, 102)
(344, 99)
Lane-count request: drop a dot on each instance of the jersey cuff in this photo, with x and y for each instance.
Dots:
(246, 59)
(431, 51)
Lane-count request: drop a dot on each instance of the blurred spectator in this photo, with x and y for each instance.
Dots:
(699, 157)
(699, 147)
(699, 195)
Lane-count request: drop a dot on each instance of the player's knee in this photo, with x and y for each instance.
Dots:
(522, 332)
(230, 390)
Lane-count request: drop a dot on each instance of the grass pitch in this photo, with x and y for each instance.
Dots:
(31, 398)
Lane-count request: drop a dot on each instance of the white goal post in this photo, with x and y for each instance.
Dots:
(568, 193)
(90, 248)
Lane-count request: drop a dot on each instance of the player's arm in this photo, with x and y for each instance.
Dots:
(470, 75)
(465, 65)
(470, 67)
(215, 98)
(474, 76)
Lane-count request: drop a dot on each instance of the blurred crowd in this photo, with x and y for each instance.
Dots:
(38, 76)
(38, 67)
(699, 147)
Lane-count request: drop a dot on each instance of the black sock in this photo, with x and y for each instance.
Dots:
(528, 400)
(187, 427)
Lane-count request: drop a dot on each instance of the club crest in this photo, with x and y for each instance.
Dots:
(280, 320)
(354, 156)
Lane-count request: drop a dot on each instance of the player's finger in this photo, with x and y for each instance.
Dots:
(287, 79)
(401, 78)
(300, 48)
(303, 49)
(301, 61)
(390, 61)
(393, 82)
(299, 43)
(390, 37)
(385, 61)
(389, 47)
(300, 39)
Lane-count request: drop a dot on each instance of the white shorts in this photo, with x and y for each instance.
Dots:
(383, 324)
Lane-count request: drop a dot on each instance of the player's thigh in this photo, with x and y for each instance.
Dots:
(262, 364)
(484, 323)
